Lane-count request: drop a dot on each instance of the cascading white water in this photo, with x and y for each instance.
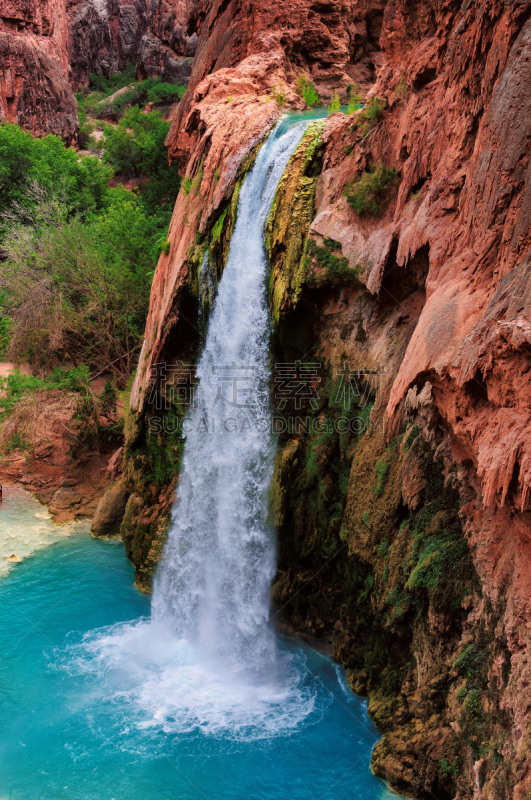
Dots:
(207, 659)
(213, 583)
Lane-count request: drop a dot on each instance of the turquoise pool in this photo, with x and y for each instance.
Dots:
(75, 722)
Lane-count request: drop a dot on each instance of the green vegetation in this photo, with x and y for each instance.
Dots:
(78, 289)
(73, 288)
(136, 147)
(5, 328)
(382, 470)
(92, 101)
(78, 257)
(305, 88)
(279, 95)
(82, 184)
(110, 84)
(368, 194)
(17, 384)
(449, 769)
(336, 266)
(401, 88)
(371, 114)
(335, 103)
(30, 402)
(354, 99)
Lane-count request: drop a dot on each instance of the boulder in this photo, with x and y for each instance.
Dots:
(45, 495)
(64, 498)
(110, 510)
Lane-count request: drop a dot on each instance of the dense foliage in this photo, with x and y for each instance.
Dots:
(99, 100)
(136, 147)
(48, 163)
(305, 88)
(369, 193)
(73, 288)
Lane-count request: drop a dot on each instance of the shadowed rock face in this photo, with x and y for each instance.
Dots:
(49, 47)
(105, 34)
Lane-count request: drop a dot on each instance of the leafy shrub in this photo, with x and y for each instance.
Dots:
(109, 84)
(469, 661)
(136, 146)
(401, 88)
(335, 103)
(367, 195)
(62, 399)
(84, 137)
(366, 517)
(5, 327)
(372, 112)
(78, 291)
(449, 770)
(151, 90)
(305, 88)
(120, 103)
(161, 92)
(383, 550)
(354, 99)
(337, 267)
(81, 183)
(279, 95)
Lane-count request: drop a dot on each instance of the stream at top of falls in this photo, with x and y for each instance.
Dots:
(201, 698)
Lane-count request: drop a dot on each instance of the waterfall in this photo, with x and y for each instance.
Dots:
(213, 583)
(207, 659)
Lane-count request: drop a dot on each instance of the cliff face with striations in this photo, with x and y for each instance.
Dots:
(105, 35)
(49, 48)
(34, 89)
(406, 539)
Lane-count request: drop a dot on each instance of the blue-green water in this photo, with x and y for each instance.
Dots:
(71, 730)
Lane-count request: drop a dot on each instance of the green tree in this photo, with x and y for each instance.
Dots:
(135, 147)
(47, 161)
(136, 144)
(335, 103)
(78, 292)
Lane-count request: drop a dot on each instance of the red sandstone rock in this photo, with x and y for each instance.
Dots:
(34, 90)
(48, 47)
(457, 226)
(245, 51)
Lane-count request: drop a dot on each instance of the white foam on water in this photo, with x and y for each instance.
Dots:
(26, 527)
(163, 683)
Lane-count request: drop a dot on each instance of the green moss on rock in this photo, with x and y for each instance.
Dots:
(289, 221)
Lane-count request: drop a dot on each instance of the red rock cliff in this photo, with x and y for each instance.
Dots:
(444, 271)
(34, 89)
(50, 47)
(245, 51)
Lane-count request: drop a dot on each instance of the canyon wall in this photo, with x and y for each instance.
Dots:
(406, 539)
(34, 88)
(48, 49)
